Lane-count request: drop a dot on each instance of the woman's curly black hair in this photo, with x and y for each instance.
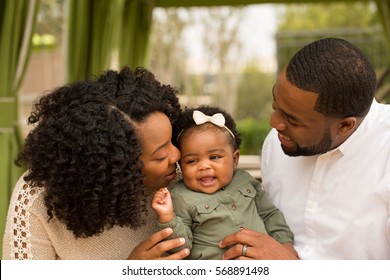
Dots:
(339, 73)
(84, 150)
(185, 124)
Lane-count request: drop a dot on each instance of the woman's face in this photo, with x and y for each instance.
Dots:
(159, 155)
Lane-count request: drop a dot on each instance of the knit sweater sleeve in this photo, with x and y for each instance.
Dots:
(25, 237)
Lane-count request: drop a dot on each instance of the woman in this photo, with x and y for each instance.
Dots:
(96, 150)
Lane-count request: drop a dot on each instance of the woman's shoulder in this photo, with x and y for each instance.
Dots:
(25, 205)
(25, 196)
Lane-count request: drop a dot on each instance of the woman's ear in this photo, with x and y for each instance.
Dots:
(236, 157)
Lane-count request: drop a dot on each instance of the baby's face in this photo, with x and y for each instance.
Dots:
(208, 160)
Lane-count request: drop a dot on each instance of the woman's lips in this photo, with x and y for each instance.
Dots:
(171, 175)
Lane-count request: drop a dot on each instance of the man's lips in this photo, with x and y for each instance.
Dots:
(285, 140)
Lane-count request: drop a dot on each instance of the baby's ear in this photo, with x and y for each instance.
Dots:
(236, 157)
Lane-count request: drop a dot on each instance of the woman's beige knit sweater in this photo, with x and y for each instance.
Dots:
(29, 235)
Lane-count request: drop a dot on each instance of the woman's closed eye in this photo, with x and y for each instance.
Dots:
(161, 158)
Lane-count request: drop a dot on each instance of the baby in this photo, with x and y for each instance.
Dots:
(214, 198)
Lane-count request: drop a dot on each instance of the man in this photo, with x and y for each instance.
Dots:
(326, 163)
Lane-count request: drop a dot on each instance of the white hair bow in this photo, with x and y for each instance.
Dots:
(218, 119)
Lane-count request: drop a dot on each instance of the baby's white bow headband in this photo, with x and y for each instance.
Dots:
(217, 119)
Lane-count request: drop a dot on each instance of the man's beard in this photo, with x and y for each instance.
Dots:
(321, 148)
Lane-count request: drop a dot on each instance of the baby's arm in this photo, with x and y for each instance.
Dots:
(180, 222)
(162, 205)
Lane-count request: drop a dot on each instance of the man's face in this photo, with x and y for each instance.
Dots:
(302, 131)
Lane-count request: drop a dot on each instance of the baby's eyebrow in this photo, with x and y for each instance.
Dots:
(216, 150)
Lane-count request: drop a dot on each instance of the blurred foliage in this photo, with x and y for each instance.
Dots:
(43, 42)
(48, 29)
(253, 133)
(254, 108)
(254, 93)
(316, 16)
(358, 22)
(198, 81)
(167, 51)
(371, 41)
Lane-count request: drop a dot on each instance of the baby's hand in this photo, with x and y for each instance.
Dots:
(161, 196)
(162, 205)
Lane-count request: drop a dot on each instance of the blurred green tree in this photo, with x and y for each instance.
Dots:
(314, 16)
(254, 92)
(50, 19)
(357, 22)
(254, 107)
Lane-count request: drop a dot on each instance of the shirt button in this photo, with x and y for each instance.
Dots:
(206, 206)
(234, 206)
(248, 190)
(311, 205)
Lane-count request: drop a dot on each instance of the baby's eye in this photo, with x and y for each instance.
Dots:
(215, 157)
(190, 161)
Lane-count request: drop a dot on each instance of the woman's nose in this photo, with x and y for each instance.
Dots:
(276, 121)
(175, 154)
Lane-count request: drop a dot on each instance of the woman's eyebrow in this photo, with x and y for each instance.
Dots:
(159, 148)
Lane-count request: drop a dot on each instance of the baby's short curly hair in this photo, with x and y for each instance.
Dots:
(85, 151)
(186, 125)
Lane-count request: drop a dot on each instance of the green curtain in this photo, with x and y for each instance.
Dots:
(91, 36)
(384, 11)
(17, 18)
(135, 31)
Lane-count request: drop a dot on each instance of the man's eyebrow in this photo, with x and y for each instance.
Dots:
(292, 117)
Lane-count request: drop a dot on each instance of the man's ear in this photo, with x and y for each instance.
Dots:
(236, 157)
(347, 126)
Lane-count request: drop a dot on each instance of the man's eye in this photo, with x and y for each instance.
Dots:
(292, 123)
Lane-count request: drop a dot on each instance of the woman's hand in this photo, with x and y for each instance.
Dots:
(154, 248)
(260, 246)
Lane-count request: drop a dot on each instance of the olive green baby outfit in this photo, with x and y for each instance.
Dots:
(205, 219)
